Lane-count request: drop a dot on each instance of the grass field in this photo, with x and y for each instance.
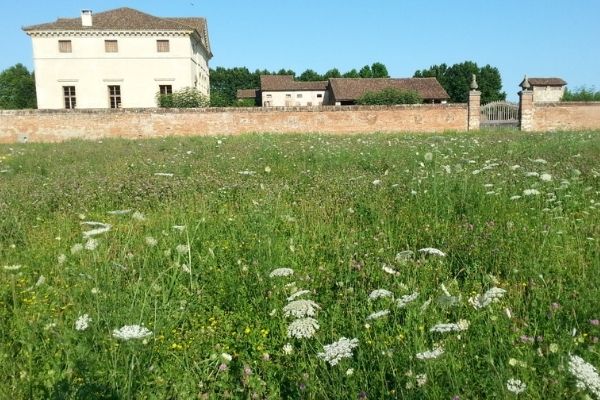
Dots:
(456, 266)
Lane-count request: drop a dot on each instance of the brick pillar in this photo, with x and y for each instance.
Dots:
(526, 110)
(474, 110)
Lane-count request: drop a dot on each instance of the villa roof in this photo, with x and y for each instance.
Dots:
(275, 83)
(128, 19)
(349, 89)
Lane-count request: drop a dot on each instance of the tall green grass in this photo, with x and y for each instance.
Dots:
(193, 266)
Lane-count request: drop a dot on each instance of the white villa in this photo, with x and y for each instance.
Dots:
(118, 58)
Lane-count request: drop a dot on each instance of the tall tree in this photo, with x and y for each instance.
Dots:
(353, 73)
(310, 75)
(224, 83)
(365, 72)
(379, 70)
(332, 73)
(17, 88)
(456, 79)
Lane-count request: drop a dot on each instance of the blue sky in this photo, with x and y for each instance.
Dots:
(541, 38)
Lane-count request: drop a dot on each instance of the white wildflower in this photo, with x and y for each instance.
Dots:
(186, 269)
(540, 161)
(301, 309)
(532, 174)
(546, 177)
(404, 256)
(461, 325)
(14, 267)
(101, 228)
(421, 379)
(41, 280)
(167, 174)
(138, 216)
(515, 167)
(297, 294)
(91, 244)
(586, 374)
(150, 241)
(430, 354)
(350, 372)
(531, 192)
(61, 259)
(226, 357)
(95, 290)
(334, 352)
(515, 197)
(182, 249)
(179, 228)
(281, 272)
(378, 314)
(267, 169)
(404, 300)
(428, 156)
(288, 349)
(389, 270)
(76, 248)
(491, 296)
(377, 182)
(432, 251)
(379, 293)
(82, 322)
(515, 386)
(119, 212)
(247, 173)
(129, 332)
(303, 328)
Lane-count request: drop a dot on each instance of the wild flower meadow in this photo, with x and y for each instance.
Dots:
(455, 266)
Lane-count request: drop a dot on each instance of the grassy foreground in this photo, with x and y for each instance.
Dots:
(179, 236)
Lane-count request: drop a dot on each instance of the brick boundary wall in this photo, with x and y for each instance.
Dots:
(60, 125)
(565, 116)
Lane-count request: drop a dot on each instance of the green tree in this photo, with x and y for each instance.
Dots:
(456, 80)
(224, 83)
(332, 73)
(365, 72)
(353, 73)
(309, 76)
(390, 96)
(379, 70)
(17, 88)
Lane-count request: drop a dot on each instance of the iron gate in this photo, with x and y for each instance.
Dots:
(500, 114)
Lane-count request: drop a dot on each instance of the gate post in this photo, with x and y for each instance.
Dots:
(526, 106)
(474, 106)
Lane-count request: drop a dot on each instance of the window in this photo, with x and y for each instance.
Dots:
(111, 46)
(288, 96)
(64, 46)
(69, 96)
(319, 96)
(269, 96)
(114, 96)
(162, 46)
(299, 96)
(165, 89)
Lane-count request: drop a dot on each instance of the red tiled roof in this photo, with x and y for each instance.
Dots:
(274, 83)
(546, 82)
(350, 89)
(125, 19)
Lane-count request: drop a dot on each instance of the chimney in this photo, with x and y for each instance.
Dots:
(86, 18)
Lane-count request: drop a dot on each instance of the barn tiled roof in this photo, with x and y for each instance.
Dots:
(126, 19)
(247, 93)
(546, 82)
(274, 83)
(350, 89)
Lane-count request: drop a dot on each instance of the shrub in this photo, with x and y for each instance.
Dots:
(581, 94)
(390, 96)
(188, 97)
